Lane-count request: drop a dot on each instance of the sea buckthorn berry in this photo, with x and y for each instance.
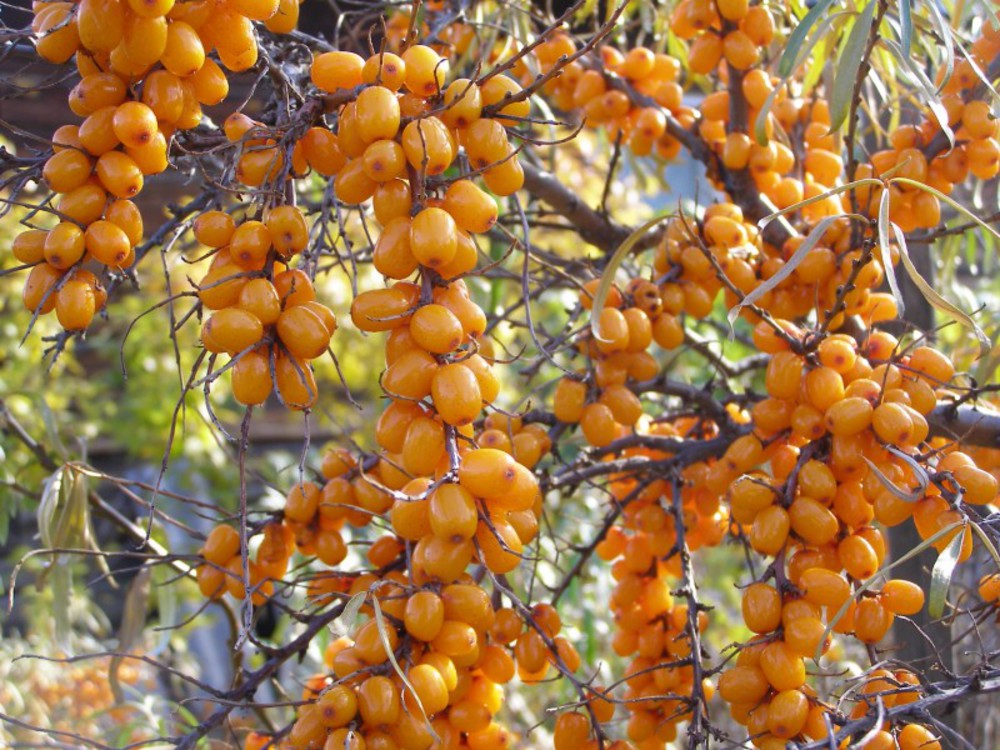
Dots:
(29, 246)
(805, 636)
(612, 331)
(75, 305)
(184, 53)
(303, 332)
(134, 124)
(426, 70)
(377, 114)
(979, 487)
(337, 70)
(769, 532)
(378, 701)
(436, 329)
(455, 391)
(214, 228)
(384, 161)
(784, 373)
(761, 608)
(287, 230)
(787, 713)
(569, 400)
(382, 309)
(107, 243)
(322, 151)
(931, 364)
(485, 143)
(902, 597)
(858, 557)
(848, 416)
(824, 387)
(598, 424)
(463, 103)
(499, 89)
(453, 513)
(743, 684)
(231, 330)
(250, 243)
(824, 587)
(119, 174)
(67, 170)
(783, 669)
(472, 208)
(487, 473)
(392, 200)
(39, 288)
(385, 69)
(352, 184)
(251, 381)
(64, 245)
(872, 620)
(813, 521)
(433, 239)
(302, 502)
(222, 544)
(892, 423)
(392, 256)
(571, 731)
(428, 146)
(410, 376)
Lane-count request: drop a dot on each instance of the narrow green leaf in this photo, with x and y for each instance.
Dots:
(797, 38)
(944, 32)
(849, 66)
(822, 196)
(931, 294)
(941, 574)
(930, 91)
(905, 25)
(950, 201)
(384, 638)
(987, 542)
(885, 250)
(608, 277)
(760, 123)
(865, 585)
(785, 271)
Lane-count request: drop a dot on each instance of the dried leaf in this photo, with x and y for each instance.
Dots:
(132, 625)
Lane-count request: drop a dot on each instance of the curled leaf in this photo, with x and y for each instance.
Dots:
(908, 496)
(941, 575)
(608, 277)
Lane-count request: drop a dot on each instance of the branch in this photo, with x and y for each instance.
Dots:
(592, 226)
(966, 424)
(939, 693)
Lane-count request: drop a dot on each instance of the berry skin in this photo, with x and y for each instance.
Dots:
(75, 305)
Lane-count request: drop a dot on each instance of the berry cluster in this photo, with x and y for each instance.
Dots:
(265, 315)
